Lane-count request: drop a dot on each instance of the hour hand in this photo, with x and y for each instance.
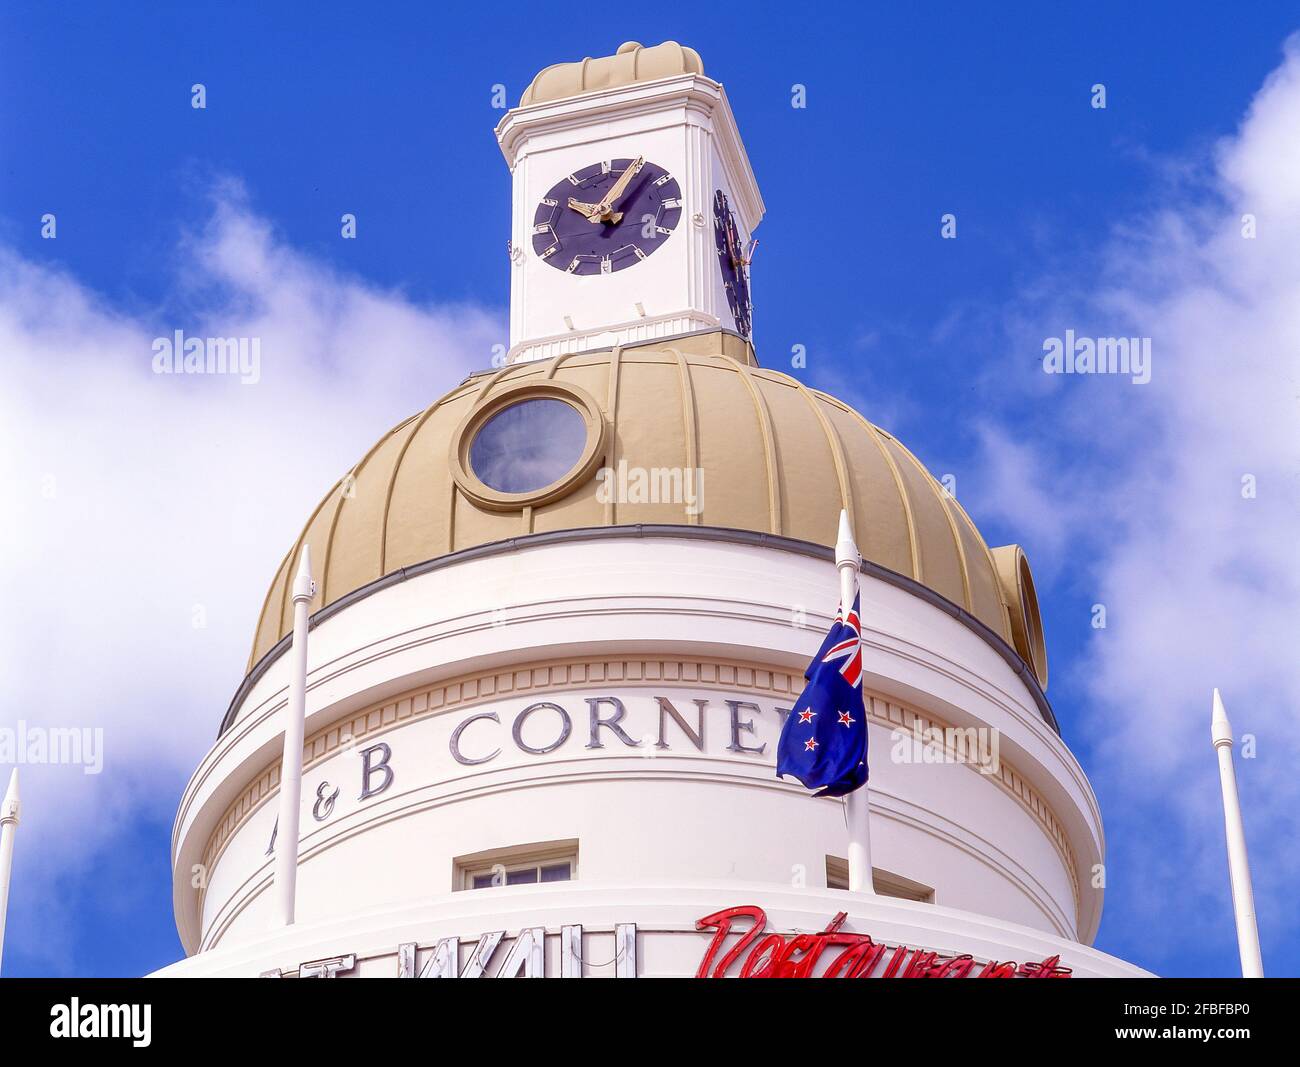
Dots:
(591, 211)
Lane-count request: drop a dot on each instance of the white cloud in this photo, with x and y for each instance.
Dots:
(136, 502)
(1201, 583)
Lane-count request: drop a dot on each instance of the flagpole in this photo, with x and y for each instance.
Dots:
(286, 851)
(10, 808)
(1243, 895)
(856, 803)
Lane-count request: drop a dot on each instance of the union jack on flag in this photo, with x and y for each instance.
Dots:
(824, 738)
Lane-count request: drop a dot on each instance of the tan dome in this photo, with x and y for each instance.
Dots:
(778, 458)
(632, 63)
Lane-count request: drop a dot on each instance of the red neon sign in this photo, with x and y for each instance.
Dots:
(776, 956)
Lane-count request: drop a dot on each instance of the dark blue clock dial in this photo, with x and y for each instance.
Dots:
(590, 224)
(732, 262)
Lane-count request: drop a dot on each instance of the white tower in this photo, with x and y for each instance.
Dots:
(579, 126)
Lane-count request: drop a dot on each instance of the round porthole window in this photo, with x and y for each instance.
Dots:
(528, 445)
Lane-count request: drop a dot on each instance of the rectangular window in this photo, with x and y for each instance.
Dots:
(545, 861)
(885, 883)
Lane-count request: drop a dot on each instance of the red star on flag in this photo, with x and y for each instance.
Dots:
(810, 744)
(846, 719)
(806, 716)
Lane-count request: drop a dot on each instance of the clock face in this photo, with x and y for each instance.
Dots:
(606, 217)
(732, 262)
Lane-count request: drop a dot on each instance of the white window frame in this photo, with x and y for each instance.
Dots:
(514, 858)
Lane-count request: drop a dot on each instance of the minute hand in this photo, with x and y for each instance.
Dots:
(606, 205)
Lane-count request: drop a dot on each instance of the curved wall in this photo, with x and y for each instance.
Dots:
(634, 620)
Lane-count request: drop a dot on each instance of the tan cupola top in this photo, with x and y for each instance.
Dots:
(632, 63)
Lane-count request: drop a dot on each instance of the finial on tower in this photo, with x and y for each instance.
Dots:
(304, 588)
(11, 806)
(846, 550)
(1220, 727)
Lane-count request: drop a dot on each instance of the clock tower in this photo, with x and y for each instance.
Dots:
(634, 204)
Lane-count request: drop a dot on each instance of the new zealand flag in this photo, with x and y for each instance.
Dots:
(824, 739)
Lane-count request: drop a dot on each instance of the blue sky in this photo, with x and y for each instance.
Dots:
(1122, 221)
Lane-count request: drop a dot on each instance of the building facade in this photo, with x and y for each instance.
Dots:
(562, 612)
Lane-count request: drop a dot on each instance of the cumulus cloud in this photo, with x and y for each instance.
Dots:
(1180, 503)
(146, 513)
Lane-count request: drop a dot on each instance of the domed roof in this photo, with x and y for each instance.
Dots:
(777, 457)
(632, 63)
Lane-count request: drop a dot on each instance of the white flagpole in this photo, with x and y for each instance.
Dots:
(1243, 895)
(286, 847)
(9, 812)
(856, 803)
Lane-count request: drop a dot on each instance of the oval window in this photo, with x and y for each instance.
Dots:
(528, 446)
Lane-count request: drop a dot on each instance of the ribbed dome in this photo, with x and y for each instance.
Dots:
(777, 457)
(632, 63)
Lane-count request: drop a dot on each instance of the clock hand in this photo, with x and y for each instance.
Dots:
(735, 248)
(590, 210)
(617, 189)
(634, 168)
